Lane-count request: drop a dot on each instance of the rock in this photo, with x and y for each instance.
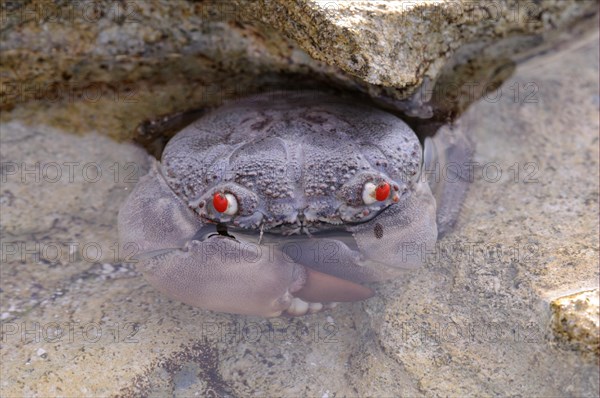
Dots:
(113, 65)
(575, 320)
(398, 44)
(475, 321)
(110, 66)
(59, 196)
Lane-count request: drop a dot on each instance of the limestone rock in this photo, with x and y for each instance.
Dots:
(473, 322)
(575, 320)
(398, 43)
(110, 65)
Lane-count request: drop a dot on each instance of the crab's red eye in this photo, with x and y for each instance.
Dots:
(225, 203)
(220, 202)
(373, 193)
(382, 191)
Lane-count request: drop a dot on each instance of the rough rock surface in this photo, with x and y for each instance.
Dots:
(478, 320)
(475, 321)
(107, 65)
(398, 43)
(575, 321)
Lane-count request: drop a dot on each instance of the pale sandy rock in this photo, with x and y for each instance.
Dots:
(476, 321)
(575, 320)
(109, 66)
(398, 43)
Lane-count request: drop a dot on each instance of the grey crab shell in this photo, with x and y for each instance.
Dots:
(292, 160)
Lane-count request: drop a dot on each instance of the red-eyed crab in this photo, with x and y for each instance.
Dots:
(286, 203)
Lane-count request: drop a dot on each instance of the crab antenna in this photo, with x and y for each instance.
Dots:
(262, 225)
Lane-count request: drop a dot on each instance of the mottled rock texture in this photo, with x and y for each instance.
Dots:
(575, 321)
(478, 320)
(108, 65)
(399, 43)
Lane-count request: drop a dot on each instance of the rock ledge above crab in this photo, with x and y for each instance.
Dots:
(287, 202)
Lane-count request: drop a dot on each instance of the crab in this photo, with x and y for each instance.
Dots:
(287, 203)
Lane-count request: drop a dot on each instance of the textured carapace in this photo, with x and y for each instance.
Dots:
(291, 162)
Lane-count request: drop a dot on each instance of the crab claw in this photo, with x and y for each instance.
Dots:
(320, 287)
(187, 261)
(229, 276)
